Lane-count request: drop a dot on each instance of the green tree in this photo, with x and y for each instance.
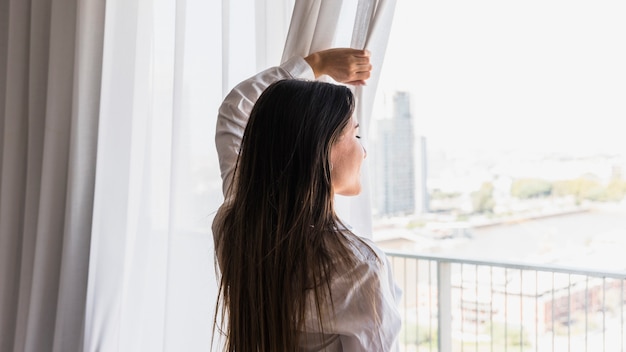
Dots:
(565, 188)
(439, 194)
(582, 188)
(482, 200)
(616, 189)
(531, 188)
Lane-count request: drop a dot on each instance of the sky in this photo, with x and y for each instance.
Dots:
(546, 75)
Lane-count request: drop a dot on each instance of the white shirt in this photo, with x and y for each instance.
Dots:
(355, 324)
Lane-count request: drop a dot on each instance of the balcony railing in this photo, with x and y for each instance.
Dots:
(453, 304)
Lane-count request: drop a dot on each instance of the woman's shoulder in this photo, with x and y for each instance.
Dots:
(364, 248)
(369, 262)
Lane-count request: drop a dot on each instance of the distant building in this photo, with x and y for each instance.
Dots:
(398, 155)
(421, 192)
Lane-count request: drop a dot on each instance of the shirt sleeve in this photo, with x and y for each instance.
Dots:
(235, 110)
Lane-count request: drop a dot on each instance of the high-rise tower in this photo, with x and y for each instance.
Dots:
(395, 160)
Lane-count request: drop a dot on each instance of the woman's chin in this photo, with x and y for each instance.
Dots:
(350, 192)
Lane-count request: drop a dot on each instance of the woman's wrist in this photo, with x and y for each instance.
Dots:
(314, 60)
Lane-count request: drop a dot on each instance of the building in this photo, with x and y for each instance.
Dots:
(396, 178)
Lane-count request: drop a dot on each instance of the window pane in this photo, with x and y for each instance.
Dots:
(493, 117)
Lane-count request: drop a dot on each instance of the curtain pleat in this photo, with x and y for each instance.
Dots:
(4, 30)
(38, 57)
(107, 260)
(302, 29)
(374, 37)
(50, 232)
(48, 114)
(364, 12)
(81, 176)
(313, 27)
(14, 157)
(128, 267)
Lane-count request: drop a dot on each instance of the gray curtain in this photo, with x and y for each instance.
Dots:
(50, 68)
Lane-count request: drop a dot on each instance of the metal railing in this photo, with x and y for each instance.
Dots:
(453, 304)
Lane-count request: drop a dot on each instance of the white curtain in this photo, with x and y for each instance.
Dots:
(166, 67)
(360, 24)
(50, 63)
(151, 285)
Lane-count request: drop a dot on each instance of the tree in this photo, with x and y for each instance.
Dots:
(582, 188)
(482, 200)
(531, 188)
(616, 189)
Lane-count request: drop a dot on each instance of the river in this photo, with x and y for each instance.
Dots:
(595, 239)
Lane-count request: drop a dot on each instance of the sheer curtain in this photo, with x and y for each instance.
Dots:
(150, 275)
(166, 67)
(50, 62)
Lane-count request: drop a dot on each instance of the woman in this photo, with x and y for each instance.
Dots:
(293, 277)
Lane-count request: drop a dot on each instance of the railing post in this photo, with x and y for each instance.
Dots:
(444, 306)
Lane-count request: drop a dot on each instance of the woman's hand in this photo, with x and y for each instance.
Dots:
(344, 65)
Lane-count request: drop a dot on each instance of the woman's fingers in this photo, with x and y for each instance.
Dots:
(345, 65)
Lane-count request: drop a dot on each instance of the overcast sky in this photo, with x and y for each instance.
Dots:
(541, 75)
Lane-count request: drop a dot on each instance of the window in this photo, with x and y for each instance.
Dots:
(497, 131)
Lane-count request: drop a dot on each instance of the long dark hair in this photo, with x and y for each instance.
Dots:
(278, 238)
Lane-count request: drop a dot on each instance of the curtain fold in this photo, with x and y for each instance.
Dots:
(49, 96)
(81, 175)
(121, 244)
(52, 170)
(15, 120)
(151, 276)
(313, 28)
(166, 67)
(373, 37)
